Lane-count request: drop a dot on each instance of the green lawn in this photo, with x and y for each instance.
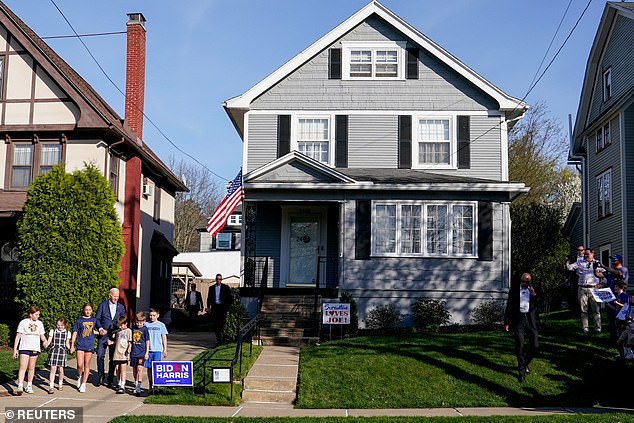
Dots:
(573, 418)
(476, 369)
(9, 366)
(212, 393)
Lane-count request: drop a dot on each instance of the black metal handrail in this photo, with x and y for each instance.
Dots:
(246, 331)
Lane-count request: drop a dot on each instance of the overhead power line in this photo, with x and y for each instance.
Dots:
(160, 131)
(96, 34)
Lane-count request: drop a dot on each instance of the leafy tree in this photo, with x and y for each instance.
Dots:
(69, 243)
(192, 209)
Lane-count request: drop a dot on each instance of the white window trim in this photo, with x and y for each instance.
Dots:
(606, 83)
(424, 205)
(453, 143)
(331, 136)
(348, 46)
(600, 178)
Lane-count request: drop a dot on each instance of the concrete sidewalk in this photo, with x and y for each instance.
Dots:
(101, 404)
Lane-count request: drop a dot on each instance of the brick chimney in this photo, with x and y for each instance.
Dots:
(135, 73)
(134, 103)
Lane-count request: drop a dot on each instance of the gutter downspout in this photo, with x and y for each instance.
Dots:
(580, 164)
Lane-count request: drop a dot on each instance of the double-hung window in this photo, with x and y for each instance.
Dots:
(607, 84)
(604, 194)
(373, 60)
(434, 142)
(29, 160)
(313, 137)
(602, 137)
(434, 229)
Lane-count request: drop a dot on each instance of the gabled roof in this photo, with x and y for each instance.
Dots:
(610, 12)
(96, 113)
(236, 106)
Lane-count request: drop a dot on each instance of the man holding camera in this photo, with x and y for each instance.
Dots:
(521, 315)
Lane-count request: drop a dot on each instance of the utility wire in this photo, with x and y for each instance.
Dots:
(96, 34)
(160, 131)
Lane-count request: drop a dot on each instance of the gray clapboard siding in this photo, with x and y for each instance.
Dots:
(618, 53)
(373, 141)
(261, 141)
(603, 231)
(268, 232)
(628, 117)
(438, 87)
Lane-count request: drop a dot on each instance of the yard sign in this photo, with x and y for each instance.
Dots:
(336, 314)
(173, 373)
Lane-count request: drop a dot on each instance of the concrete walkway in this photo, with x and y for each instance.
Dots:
(101, 404)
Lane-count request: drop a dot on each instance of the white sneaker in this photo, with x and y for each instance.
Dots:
(28, 390)
(20, 390)
(60, 386)
(79, 382)
(137, 389)
(82, 388)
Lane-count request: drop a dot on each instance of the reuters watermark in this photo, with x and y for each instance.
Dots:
(44, 414)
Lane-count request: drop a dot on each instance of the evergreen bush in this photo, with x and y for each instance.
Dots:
(69, 243)
(353, 327)
(235, 317)
(383, 317)
(5, 339)
(431, 314)
(488, 313)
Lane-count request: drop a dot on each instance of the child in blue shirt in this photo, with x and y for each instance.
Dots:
(158, 343)
(83, 340)
(140, 350)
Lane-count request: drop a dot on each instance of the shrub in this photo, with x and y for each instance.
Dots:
(383, 317)
(69, 243)
(353, 327)
(487, 313)
(4, 335)
(234, 317)
(431, 314)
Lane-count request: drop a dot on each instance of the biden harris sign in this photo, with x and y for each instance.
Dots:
(173, 373)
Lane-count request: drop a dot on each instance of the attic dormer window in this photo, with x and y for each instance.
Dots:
(373, 60)
(607, 84)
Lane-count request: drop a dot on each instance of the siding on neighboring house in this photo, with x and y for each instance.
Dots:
(602, 230)
(619, 54)
(438, 87)
(261, 143)
(628, 126)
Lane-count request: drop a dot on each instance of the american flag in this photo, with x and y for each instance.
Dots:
(235, 195)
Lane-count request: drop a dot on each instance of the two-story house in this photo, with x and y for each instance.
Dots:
(50, 115)
(603, 140)
(375, 162)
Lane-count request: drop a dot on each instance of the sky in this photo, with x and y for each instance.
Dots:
(203, 52)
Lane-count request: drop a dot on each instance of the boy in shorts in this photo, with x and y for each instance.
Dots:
(140, 350)
(121, 340)
(158, 343)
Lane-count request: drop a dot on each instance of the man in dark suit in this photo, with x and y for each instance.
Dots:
(193, 302)
(219, 300)
(107, 314)
(521, 315)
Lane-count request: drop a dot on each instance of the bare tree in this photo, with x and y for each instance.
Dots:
(193, 208)
(537, 156)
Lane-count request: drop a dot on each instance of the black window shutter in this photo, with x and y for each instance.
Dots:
(362, 230)
(412, 63)
(405, 142)
(341, 141)
(485, 231)
(283, 135)
(334, 63)
(464, 142)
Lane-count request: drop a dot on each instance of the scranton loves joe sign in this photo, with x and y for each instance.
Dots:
(173, 373)
(336, 314)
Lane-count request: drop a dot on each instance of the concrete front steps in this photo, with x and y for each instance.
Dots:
(273, 377)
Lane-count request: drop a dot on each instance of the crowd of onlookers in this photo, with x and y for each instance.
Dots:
(590, 274)
(138, 346)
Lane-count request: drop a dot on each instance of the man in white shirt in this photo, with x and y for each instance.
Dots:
(193, 302)
(590, 273)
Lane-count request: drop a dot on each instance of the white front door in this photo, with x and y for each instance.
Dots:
(302, 242)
